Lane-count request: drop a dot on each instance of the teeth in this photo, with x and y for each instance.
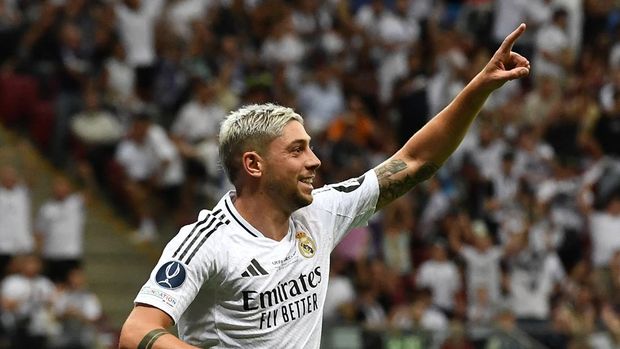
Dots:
(307, 180)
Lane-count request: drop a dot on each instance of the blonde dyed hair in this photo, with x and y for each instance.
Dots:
(251, 128)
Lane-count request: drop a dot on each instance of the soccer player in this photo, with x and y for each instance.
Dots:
(252, 272)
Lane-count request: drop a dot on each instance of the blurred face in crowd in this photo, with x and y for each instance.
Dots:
(73, 7)
(402, 6)
(415, 63)
(8, 177)
(487, 134)
(548, 86)
(205, 92)
(561, 20)
(613, 207)
(323, 75)
(439, 252)
(76, 279)
(230, 46)
(309, 6)
(139, 130)
(31, 266)
(377, 6)
(507, 164)
(356, 105)
(482, 242)
(526, 140)
(61, 188)
(133, 4)
(71, 36)
(290, 167)
(119, 51)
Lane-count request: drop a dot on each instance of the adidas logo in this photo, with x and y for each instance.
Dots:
(254, 269)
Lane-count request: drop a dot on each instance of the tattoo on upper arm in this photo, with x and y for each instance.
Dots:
(391, 188)
(149, 340)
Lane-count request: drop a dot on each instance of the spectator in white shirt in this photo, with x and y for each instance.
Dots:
(339, 302)
(505, 181)
(180, 14)
(321, 100)
(487, 154)
(482, 258)
(152, 166)
(554, 55)
(533, 158)
(119, 77)
(15, 217)
(442, 276)
(60, 229)
(200, 118)
(96, 131)
(420, 314)
(369, 16)
(136, 26)
(397, 34)
(284, 47)
(604, 227)
(77, 310)
(436, 208)
(398, 225)
(560, 192)
(310, 18)
(533, 278)
(25, 301)
(509, 13)
(194, 132)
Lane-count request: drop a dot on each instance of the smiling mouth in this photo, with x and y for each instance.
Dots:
(307, 181)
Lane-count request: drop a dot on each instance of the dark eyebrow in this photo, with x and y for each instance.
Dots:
(299, 142)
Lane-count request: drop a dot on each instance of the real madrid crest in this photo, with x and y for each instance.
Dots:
(306, 245)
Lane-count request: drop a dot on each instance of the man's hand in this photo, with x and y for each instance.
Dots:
(505, 65)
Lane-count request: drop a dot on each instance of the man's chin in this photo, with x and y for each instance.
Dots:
(304, 200)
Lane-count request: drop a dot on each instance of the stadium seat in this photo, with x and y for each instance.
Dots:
(41, 124)
(18, 96)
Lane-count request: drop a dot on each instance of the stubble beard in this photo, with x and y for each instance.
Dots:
(292, 200)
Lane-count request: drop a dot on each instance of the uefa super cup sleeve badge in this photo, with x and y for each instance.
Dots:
(306, 245)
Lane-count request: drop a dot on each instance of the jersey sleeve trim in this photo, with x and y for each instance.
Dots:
(199, 234)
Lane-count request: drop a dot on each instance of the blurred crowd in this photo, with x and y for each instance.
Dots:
(517, 238)
(44, 297)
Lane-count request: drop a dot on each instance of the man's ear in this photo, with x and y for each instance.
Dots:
(252, 164)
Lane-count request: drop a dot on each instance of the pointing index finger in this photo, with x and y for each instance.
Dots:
(506, 46)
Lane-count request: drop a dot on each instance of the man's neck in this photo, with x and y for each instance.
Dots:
(263, 215)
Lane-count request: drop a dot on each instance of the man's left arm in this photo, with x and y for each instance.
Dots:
(431, 146)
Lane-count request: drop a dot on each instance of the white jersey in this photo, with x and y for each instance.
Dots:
(15, 221)
(62, 224)
(226, 285)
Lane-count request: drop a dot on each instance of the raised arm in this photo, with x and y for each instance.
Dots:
(145, 328)
(429, 148)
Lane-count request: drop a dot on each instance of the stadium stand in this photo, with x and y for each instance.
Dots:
(526, 212)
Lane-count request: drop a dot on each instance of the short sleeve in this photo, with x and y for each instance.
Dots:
(179, 275)
(161, 144)
(350, 203)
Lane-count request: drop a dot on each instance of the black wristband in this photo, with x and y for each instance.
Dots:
(149, 340)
